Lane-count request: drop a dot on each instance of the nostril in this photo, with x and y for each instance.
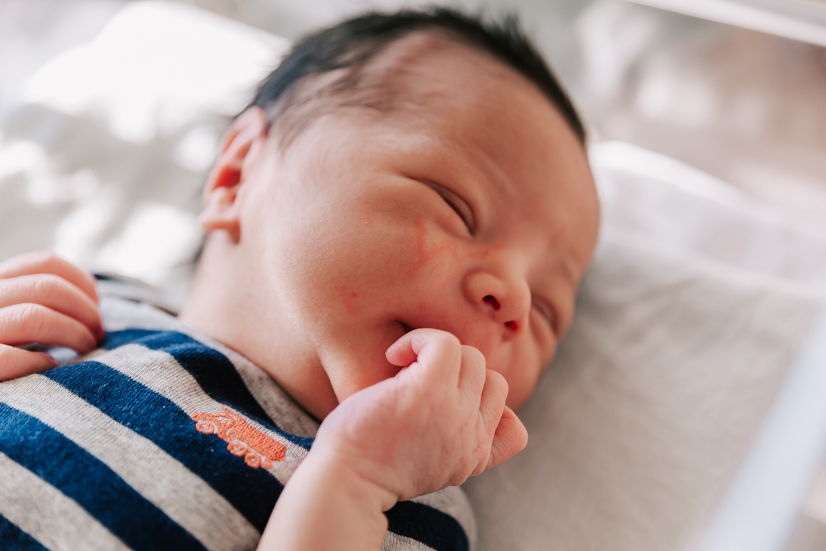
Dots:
(492, 302)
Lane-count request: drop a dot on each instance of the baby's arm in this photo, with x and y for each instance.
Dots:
(441, 419)
(46, 300)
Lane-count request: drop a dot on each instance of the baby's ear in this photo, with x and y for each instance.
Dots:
(230, 171)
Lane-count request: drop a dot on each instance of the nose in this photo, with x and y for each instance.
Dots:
(505, 298)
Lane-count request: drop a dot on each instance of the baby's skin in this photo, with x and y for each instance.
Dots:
(46, 300)
(404, 276)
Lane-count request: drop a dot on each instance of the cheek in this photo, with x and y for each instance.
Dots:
(519, 391)
(430, 245)
(523, 371)
(349, 299)
(314, 263)
(356, 266)
(434, 250)
(386, 263)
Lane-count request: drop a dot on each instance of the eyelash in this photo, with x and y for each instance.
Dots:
(445, 194)
(459, 212)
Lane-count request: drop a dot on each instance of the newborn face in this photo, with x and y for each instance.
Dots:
(470, 208)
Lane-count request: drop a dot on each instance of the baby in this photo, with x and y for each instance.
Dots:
(397, 226)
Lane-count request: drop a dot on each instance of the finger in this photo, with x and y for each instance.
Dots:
(16, 362)
(55, 293)
(491, 410)
(510, 438)
(439, 353)
(474, 373)
(44, 262)
(492, 404)
(406, 349)
(26, 323)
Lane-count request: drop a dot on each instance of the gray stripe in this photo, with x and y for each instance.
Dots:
(47, 515)
(124, 314)
(119, 313)
(395, 542)
(279, 405)
(143, 465)
(176, 384)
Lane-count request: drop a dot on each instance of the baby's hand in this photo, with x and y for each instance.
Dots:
(45, 300)
(440, 420)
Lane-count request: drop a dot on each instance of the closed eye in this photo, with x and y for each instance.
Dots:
(458, 204)
(546, 311)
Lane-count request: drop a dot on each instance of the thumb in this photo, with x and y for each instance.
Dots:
(510, 438)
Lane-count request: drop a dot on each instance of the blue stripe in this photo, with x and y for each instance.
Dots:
(252, 492)
(214, 372)
(88, 481)
(427, 525)
(12, 537)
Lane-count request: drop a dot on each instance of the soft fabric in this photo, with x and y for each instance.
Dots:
(165, 440)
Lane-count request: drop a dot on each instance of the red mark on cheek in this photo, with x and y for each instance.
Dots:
(348, 298)
(425, 252)
(420, 243)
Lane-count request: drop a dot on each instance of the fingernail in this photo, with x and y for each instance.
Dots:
(49, 359)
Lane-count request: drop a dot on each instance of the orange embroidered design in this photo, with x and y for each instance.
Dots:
(242, 438)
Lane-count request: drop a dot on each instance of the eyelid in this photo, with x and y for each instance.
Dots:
(547, 311)
(458, 204)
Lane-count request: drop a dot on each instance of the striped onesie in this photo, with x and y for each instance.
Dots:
(164, 439)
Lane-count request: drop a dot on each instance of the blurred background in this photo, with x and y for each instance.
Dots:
(745, 106)
(102, 157)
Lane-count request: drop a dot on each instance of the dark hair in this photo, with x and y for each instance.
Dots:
(347, 47)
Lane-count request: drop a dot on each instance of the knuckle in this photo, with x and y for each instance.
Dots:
(31, 316)
(36, 260)
(46, 287)
(472, 353)
(45, 257)
(53, 263)
(497, 378)
(40, 259)
(448, 339)
(497, 384)
(45, 261)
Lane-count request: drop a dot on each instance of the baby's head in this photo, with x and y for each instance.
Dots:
(396, 172)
